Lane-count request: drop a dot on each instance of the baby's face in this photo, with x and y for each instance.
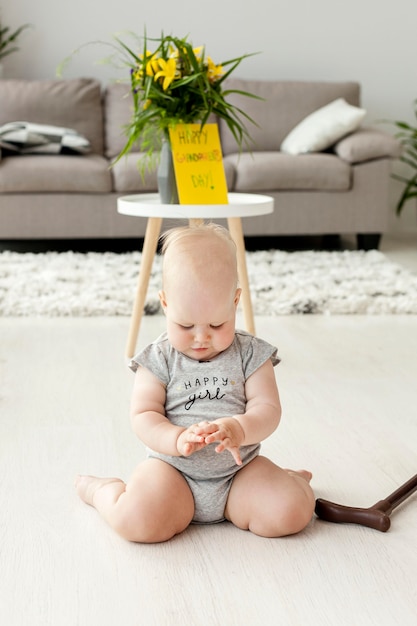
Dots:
(201, 319)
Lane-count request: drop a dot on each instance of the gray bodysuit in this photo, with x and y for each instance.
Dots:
(206, 390)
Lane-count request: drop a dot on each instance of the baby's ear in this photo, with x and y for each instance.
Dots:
(162, 299)
(237, 296)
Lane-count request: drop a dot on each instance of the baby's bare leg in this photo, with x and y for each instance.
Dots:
(270, 501)
(153, 506)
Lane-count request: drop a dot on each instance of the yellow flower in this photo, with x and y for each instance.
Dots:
(152, 65)
(214, 72)
(167, 72)
(197, 52)
(150, 62)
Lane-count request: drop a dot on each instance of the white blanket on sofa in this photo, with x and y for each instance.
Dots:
(29, 138)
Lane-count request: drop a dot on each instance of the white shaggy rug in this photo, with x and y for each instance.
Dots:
(282, 283)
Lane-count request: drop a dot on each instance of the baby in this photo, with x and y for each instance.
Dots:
(204, 397)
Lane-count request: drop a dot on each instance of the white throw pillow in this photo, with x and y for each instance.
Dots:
(323, 128)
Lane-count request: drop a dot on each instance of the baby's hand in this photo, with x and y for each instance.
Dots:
(193, 438)
(230, 434)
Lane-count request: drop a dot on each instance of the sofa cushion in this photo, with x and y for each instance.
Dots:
(48, 174)
(74, 103)
(367, 144)
(322, 128)
(128, 178)
(284, 105)
(267, 171)
(118, 107)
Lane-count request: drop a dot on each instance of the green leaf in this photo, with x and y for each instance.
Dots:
(8, 41)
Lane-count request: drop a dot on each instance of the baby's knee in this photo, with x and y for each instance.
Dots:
(143, 534)
(141, 528)
(148, 525)
(285, 517)
(296, 518)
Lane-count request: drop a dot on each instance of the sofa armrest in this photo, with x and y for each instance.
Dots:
(367, 144)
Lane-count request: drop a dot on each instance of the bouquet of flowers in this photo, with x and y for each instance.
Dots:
(177, 83)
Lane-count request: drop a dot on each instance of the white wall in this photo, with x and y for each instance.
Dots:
(365, 40)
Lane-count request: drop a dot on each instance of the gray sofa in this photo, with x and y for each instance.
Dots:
(343, 189)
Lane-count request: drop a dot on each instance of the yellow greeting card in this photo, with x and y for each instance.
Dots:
(198, 164)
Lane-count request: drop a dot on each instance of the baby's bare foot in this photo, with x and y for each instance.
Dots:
(87, 486)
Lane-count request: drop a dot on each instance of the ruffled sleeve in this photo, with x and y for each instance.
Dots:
(255, 352)
(154, 358)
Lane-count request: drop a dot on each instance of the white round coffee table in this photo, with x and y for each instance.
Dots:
(149, 205)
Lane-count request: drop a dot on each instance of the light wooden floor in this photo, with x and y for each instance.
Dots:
(348, 387)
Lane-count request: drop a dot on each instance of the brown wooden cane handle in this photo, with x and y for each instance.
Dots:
(371, 517)
(376, 516)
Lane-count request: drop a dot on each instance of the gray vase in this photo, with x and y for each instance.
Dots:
(167, 185)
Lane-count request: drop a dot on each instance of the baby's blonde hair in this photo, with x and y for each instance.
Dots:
(204, 247)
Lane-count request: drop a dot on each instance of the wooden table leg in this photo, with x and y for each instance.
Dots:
(236, 232)
(150, 244)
